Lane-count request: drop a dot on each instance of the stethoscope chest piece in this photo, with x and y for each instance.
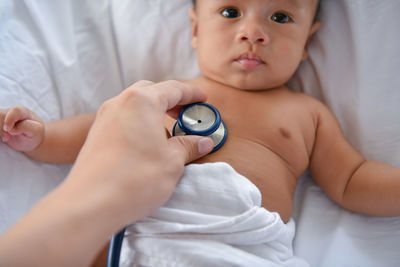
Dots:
(201, 119)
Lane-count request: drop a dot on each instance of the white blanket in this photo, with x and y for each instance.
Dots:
(214, 218)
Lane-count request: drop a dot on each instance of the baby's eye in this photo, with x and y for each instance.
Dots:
(230, 13)
(280, 18)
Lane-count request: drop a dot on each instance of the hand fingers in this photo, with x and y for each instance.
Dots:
(174, 112)
(143, 83)
(5, 137)
(14, 115)
(3, 113)
(190, 147)
(173, 93)
(169, 93)
(28, 128)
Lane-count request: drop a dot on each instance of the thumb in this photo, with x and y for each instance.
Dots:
(191, 147)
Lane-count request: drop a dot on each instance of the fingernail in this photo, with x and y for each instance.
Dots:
(205, 145)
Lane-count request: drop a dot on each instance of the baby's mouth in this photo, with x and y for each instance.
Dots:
(249, 61)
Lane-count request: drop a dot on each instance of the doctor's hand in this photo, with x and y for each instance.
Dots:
(126, 169)
(129, 145)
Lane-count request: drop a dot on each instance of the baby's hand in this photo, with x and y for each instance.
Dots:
(21, 128)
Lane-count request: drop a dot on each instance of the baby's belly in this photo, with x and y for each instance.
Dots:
(265, 169)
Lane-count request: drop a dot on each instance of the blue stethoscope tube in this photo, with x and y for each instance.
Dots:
(114, 249)
(195, 119)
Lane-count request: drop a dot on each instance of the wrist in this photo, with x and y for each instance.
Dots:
(34, 151)
(62, 229)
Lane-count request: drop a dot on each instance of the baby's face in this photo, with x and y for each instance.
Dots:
(252, 44)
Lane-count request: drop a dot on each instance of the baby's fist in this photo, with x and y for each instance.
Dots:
(21, 128)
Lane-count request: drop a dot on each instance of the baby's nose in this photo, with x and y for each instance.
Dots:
(253, 32)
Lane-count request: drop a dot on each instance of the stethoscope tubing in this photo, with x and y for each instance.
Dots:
(114, 249)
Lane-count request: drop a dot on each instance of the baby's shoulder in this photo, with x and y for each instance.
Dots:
(313, 108)
(299, 107)
(287, 97)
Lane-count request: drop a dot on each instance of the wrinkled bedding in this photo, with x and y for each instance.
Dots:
(61, 58)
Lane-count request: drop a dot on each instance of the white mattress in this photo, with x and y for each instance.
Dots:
(62, 58)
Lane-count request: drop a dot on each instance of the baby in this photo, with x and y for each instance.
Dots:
(247, 51)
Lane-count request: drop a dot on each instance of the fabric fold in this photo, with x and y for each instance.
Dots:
(214, 218)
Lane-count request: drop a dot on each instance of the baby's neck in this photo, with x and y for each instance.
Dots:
(215, 88)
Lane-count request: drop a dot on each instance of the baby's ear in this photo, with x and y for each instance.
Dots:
(314, 28)
(193, 21)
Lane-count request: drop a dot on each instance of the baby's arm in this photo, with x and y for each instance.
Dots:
(63, 139)
(55, 142)
(367, 187)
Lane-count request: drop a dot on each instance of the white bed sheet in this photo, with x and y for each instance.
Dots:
(353, 68)
(57, 58)
(62, 58)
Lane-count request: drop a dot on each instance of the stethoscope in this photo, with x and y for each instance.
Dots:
(195, 119)
(201, 119)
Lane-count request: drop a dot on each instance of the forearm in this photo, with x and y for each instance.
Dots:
(100, 196)
(373, 189)
(67, 228)
(63, 139)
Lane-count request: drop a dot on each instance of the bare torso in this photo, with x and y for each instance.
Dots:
(270, 138)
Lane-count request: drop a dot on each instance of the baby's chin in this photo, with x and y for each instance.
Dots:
(249, 82)
(253, 81)
(251, 85)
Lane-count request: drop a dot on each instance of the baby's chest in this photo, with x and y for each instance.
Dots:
(287, 138)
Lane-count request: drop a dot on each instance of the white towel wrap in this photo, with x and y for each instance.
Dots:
(214, 218)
